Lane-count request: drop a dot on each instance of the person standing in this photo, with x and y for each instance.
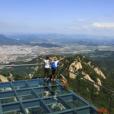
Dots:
(47, 67)
(54, 65)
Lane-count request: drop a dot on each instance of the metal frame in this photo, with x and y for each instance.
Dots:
(29, 94)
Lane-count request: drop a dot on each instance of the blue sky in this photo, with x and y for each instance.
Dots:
(57, 16)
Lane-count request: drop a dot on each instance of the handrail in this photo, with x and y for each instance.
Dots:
(16, 65)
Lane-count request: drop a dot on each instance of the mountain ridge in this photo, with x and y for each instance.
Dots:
(7, 41)
(81, 39)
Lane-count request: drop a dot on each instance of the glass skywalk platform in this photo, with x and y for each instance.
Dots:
(39, 97)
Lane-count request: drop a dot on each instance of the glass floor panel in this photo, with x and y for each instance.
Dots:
(39, 97)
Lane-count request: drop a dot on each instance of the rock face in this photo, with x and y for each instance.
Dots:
(75, 66)
(99, 72)
(72, 75)
(88, 71)
(3, 79)
(87, 77)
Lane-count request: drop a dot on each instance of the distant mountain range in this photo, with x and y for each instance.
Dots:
(25, 40)
(55, 39)
(7, 41)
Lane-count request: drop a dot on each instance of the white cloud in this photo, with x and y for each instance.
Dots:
(103, 25)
